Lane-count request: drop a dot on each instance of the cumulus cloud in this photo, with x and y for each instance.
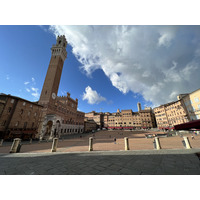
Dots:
(64, 93)
(157, 62)
(26, 83)
(30, 88)
(92, 96)
(35, 93)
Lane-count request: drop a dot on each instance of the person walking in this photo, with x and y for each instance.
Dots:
(192, 137)
(115, 140)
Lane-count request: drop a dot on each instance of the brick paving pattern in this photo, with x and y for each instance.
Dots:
(104, 141)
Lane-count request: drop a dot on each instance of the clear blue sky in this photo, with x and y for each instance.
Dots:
(24, 58)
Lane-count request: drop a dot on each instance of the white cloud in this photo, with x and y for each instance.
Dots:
(64, 93)
(30, 87)
(26, 83)
(35, 93)
(156, 62)
(164, 40)
(92, 96)
(166, 35)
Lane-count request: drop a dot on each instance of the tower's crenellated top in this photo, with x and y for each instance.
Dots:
(60, 48)
(61, 41)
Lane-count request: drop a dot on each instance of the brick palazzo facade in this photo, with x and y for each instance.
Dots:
(18, 117)
(126, 119)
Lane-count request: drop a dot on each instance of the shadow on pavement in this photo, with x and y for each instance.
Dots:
(103, 163)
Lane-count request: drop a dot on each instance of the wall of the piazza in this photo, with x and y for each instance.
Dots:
(161, 117)
(133, 120)
(97, 117)
(18, 118)
(176, 113)
(111, 120)
(147, 118)
(106, 120)
(89, 125)
(136, 120)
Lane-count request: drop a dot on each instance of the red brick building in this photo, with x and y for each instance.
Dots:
(18, 117)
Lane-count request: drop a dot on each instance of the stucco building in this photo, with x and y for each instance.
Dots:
(192, 104)
(18, 117)
(185, 109)
(170, 114)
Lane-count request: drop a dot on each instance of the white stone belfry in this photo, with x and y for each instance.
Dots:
(139, 106)
(60, 48)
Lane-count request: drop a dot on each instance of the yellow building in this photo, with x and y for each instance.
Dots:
(170, 114)
(185, 109)
(192, 104)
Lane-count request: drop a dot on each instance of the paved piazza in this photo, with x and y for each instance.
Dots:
(72, 156)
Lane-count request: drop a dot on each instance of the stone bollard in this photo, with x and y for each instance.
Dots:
(157, 143)
(187, 143)
(31, 141)
(126, 143)
(1, 143)
(91, 144)
(54, 145)
(40, 140)
(15, 145)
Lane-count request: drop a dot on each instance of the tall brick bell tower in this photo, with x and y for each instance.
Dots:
(52, 80)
